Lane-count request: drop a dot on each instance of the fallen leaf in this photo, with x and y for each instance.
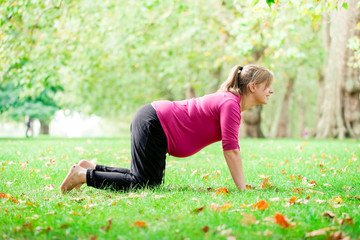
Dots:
(205, 176)
(313, 191)
(140, 224)
(194, 172)
(249, 186)
(108, 225)
(159, 196)
(328, 214)
(198, 210)
(221, 190)
(248, 220)
(3, 195)
(320, 201)
(337, 200)
(338, 236)
(265, 184)
(313, 182)
(292, 200)
(64, 226)
(9, 183)
(261, 205)
(205, 229)
(279, 219)
(49, 187)
(297, 190)
(74, 213)
(321, 231)
(348, 221)
(219, 208)
(275, 199)
(50, 213)
(28, 225)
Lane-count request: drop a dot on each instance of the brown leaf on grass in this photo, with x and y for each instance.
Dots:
(313, 191)
(328, 214)
(319, 232)
(140, 224)
(292, 200)
(49, 187)
(320, 201)
(62, 226)
(265, 183)
(198, 210)
(275, 199)
(205, 229)
(28, 225)
(313, 182)
(337, 200)
(219, 208)
(338, 236)
(348, 221)
(297, 190)
(221, 190)
(280, 219)
(249, 187)
(93, 237)
(248, 220)
(107, 228)
(75, 213)
(3, 195)
(261, 205)
(205, 176)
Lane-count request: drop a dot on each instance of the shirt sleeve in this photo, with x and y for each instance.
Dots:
(230, 118)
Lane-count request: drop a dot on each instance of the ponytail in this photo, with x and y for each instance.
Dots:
(240, 77)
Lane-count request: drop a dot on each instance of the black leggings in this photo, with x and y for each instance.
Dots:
(148, 154)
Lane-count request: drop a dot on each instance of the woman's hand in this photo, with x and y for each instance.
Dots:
(234, 162)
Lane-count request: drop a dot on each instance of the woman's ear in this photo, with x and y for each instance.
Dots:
(252, 87)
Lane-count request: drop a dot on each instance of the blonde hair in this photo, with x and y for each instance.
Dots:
(240, 77)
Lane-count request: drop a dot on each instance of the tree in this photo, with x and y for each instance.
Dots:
(340, 110)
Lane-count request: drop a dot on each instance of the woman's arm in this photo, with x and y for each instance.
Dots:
(233, 160)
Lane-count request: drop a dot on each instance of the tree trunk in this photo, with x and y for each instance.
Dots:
(44, 129)
(340, 111)
(190, 92)
(284, 129)
(251, 120)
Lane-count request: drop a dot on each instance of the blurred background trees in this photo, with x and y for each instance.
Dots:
(110, 57)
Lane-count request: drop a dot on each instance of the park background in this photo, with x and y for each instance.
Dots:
(82, 68)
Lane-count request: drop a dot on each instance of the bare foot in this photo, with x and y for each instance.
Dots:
(86, 164)
(76, 176)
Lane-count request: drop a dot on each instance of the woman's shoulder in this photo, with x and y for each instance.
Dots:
(223, 96)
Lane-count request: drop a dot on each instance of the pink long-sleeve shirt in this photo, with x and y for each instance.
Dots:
(191, 125)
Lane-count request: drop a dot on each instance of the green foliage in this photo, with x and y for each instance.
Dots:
(110, 56)
(29, 165)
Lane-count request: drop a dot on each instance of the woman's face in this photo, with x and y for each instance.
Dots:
(262, 93)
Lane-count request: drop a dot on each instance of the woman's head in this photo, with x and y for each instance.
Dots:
(241, 77)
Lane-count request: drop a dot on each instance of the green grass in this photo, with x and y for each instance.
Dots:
(169, 210)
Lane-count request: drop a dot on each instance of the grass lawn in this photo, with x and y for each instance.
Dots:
(314, 185)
